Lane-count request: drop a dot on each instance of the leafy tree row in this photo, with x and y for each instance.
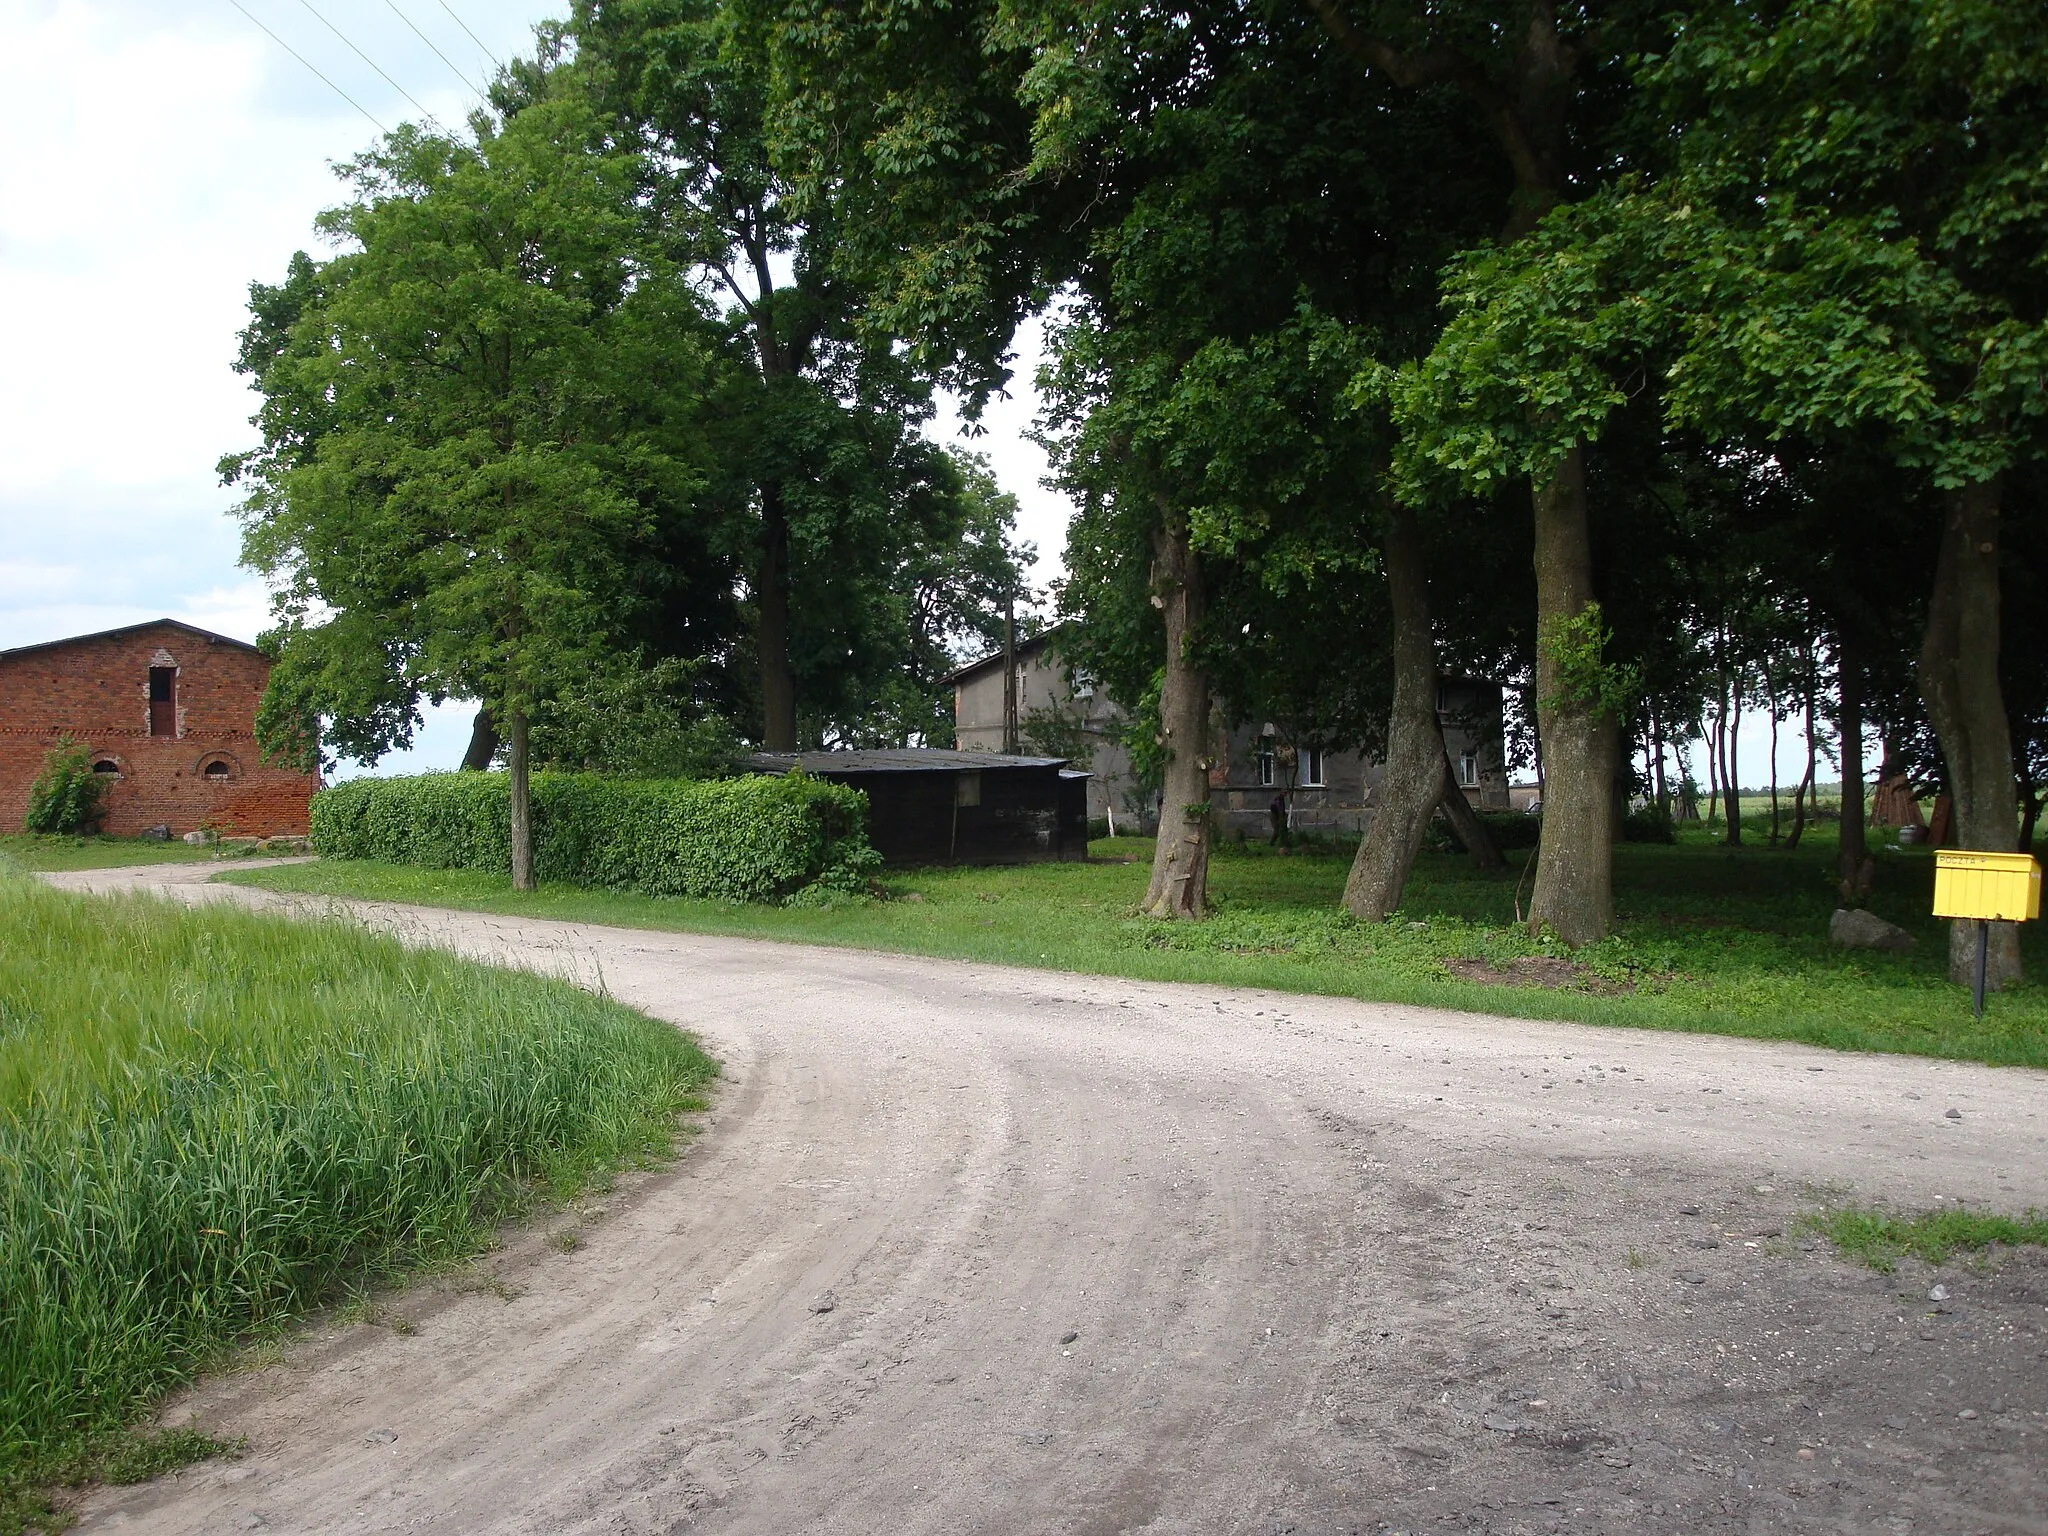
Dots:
(1670, 363)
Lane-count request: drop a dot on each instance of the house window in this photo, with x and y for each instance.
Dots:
(163, 701)
(106, 765)
(216, 771)
(1468, 769)
(1269, 766)
(1312, 768)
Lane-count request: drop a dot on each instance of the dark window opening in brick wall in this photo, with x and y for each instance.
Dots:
(163, 701)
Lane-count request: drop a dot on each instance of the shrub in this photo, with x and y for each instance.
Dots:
(1650, 824)
(67, 795)
(211, 1119)
(756, 838)
(1510, 829)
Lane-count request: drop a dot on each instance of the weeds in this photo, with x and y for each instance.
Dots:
(1880, 1238)
(113, 1456)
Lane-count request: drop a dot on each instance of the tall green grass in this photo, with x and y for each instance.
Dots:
(210, 1119)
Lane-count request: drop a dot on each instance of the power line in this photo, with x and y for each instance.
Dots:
(288, 48)
(416, 32)
(472, 36)
(330, 26)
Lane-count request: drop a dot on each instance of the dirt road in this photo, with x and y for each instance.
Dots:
(964, 1249)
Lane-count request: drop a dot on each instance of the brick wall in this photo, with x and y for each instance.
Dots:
(96, 689)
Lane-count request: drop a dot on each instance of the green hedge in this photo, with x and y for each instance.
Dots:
(756, 838)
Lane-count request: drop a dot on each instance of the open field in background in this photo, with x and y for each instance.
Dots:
(213, 1119)
(1710, 939)
(58, 853)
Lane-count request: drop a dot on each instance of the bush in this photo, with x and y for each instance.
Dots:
(756, 838)
(1651, 824)
(212, 1119)
(67, 795)
(1510, 829)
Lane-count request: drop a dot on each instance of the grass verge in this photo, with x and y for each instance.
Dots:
(211, 1120)
(1708, 939)
(60, 852)
(1881, 1238)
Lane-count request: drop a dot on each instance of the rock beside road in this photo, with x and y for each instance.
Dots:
(1853, 928)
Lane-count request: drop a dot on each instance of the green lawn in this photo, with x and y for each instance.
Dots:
(213, 1119)
(1710, 939)
(56, 853)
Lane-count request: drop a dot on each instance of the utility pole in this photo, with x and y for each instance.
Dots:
(1010, 676)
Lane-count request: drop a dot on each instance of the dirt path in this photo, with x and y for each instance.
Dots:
(965, 1249)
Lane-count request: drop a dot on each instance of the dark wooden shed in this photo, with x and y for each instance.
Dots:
(931, 807)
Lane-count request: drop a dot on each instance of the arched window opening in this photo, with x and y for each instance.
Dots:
(106, 765)
(216, 771)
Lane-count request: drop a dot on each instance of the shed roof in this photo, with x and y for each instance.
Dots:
(129, 629)
(892, 760)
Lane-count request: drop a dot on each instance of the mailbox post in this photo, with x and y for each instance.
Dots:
(1990, 888)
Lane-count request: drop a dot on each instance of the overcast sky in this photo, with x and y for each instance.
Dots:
(161, 155)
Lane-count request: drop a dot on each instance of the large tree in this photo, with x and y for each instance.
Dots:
(475, 419)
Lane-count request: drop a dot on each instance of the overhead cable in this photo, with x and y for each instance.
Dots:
(416, 32)
(330, 26)
(472, 36)
(288, 48)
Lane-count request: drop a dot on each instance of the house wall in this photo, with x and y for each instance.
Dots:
(1113, 791)
(1470, 712)
(96, 690)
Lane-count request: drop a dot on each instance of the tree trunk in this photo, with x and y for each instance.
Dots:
(1853, 866)
(1180, 860)
(1574, 893)
(1657, 766)
(1731, 776)
(1714, 768)
(522, 801)
(483, 743)
(1479, 844)
(1771, 701)
(778, 682)
(1959, 684)
(1805, 792)
(1411, 782)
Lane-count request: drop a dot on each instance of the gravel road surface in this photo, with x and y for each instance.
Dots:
(968, 1249)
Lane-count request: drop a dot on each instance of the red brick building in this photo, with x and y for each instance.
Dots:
(168, 712)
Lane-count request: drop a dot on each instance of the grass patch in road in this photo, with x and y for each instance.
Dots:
(1708, 939)
(1881, 1238)
(213, 1119)
(59, 852)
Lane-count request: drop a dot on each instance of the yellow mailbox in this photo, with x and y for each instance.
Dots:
(1990, 887)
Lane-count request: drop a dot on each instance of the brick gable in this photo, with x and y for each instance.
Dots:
(96, 689)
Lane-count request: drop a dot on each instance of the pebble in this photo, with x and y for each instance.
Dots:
(1688, 1210)
(1692, 1277)
(1967, 1413)
(381, 1436)
(1869, 1348)
(1954, 1114)
(1703, 1242)
(1806, 1453)
(1767, 1189)
(1068, 1338)
(1894, 1423)
(823, 1304)
(1938, 1293)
